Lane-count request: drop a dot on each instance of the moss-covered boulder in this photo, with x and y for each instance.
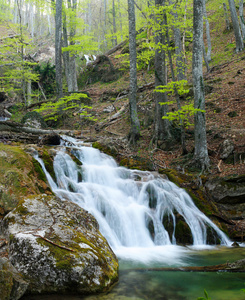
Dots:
(58, 248)
(20, 175)
(12, 285)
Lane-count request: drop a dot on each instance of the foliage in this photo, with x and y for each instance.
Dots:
(52, 110)
(183, 114)
(179, 86)
(206, 296)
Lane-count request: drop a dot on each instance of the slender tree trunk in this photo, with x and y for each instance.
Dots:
(207, 31)
(120, 18)
(205, 58)
(31, 20)
(236, 27)
(72, 42)
(66, 56)
(135, 124)
(105, 23)
(227, 21)
(182, 128)
(58, 41)
(114, 22)
(29, 92)
(162, 126)
(180, 60)
(241, 18)
(201, 151)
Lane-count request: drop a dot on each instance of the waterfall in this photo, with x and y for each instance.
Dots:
(133, 208)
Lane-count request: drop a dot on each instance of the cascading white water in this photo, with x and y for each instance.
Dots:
(126, 203)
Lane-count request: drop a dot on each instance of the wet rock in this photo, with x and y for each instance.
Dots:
(12, 285)
(57, 247)
(50, 139)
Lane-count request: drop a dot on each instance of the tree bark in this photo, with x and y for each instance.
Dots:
(114, 21)
(241, 18)
(135, 124)
(201, 151)
(207, 32)
(58, 40)
(72, 42)
(182, 128)
(162, 126)
(66, 56)
(180, 60)
(236, 28)
(227, 21)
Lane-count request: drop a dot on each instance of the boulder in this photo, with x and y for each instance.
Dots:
(228, 195)
(227, 149)
(12, 285)
(57, 247)
(230, 190)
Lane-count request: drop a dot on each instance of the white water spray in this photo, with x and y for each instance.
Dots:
(129, 205)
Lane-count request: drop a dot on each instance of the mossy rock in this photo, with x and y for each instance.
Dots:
(183, 233)
(12, 285)
(33, 118)
(57, 247)
(20, 176)
(137, 162)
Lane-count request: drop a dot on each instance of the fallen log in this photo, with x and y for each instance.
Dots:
(13, 131)
(117, 47)
(237, 266)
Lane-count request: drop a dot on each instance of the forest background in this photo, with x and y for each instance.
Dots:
(94, 96)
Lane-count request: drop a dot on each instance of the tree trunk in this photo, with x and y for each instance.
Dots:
(162, 126)
(58, 40)
(29, 92)
(114, 22)
(227, 21)
(180, 60)
(207, 31)
(235, 23)
(182, 128)
(66, 56)
(135, 124)
(120, 18)
(241, 18)
(201, 151)
(72, 42)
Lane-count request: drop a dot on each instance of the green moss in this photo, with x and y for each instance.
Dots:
(183, 233)
(38, 170)
(48, 162)
(6, 284)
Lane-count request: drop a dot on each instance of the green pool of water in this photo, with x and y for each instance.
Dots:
(136, 282)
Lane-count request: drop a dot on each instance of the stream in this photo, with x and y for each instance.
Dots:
(134, 210)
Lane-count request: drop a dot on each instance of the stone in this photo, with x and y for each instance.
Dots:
(227, 149)
(50, 139)
(12, 285)
(57, 247)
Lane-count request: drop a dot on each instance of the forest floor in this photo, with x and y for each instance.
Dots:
(225, 108)
(225, 115)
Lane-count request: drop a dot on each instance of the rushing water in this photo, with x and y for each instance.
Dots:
(130, 207)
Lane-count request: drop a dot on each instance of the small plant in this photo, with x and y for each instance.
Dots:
(204, 298)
